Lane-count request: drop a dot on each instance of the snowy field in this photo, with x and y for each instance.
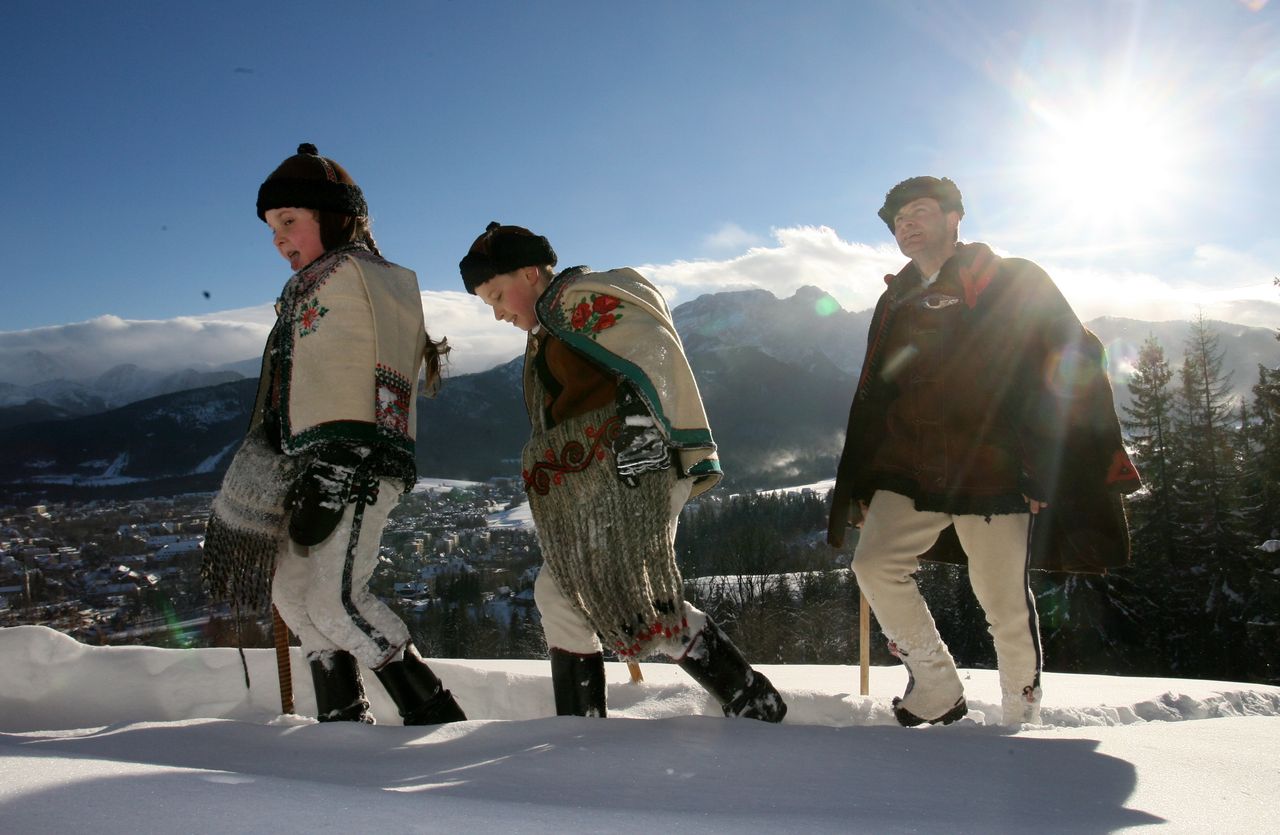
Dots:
(520, 516)
(139, 740)
(443, 485)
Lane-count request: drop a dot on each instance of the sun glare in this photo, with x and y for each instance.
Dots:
(1107, 163)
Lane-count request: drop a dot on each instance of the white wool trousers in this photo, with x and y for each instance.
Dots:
(886, 559)
(566, 628)
(323, 594)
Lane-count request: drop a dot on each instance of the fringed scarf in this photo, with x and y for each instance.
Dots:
(608, 545)
(247, 524)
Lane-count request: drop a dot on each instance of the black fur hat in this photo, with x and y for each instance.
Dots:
(942, 190)
(307, 180)
(502, 249)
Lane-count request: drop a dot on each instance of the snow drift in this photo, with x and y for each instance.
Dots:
(130, 739)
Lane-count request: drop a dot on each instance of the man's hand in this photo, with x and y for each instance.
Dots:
(1035, 506)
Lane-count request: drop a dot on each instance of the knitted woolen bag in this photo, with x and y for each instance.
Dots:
(608, 545)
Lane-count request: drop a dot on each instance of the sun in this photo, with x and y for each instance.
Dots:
(1110, 160)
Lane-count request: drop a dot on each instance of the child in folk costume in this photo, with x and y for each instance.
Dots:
(619, 443)
(330, 447)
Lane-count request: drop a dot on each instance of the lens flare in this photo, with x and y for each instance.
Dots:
(1120, 358)
(826, 306)
(1069, 372)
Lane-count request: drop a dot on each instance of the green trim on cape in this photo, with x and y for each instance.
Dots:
(620, 321)
(632, 373)
(552, 315)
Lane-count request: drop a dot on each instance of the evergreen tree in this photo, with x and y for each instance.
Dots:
(1148, 423)
(1260, 440)
(1260, 444)
(1211, 580)
(1098, 624)
(1149, 427)
(826, 618)
(959, 617)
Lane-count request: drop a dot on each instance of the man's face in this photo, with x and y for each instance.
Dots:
(923, 229)
(513, 296)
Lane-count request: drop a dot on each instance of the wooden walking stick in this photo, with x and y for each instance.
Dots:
(280, 633)
(864, 644)
(633, 667)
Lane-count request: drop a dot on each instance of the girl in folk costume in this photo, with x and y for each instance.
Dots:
(330, 447)
(619, 443)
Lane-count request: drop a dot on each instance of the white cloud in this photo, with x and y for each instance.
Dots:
(730, 237)
(83, 350)
(479, 341)
(806, 255)
(1137, 295)
(852, 272)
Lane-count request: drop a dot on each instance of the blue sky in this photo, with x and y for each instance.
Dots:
(1126, 146)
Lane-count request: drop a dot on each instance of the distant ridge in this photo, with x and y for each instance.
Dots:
(776, 375)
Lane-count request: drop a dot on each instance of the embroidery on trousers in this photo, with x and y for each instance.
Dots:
(572, 458)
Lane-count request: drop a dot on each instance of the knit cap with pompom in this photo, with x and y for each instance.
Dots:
(307, 180)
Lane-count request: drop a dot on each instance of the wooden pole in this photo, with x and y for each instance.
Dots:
(280, 633)
(633, 667)
(864, 644)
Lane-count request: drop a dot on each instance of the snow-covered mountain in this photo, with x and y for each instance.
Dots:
(808, 329)
(118, 386)
(776, 376)
(168, 444)
(139, 739)
(33, 366)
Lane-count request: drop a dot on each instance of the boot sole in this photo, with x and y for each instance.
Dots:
(907, 719)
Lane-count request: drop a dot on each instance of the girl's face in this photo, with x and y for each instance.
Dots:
(295, 233)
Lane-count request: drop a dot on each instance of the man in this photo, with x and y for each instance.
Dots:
(982, 428)
(619, 443)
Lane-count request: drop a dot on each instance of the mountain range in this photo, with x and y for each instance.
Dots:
(38, 388)
(776, 376)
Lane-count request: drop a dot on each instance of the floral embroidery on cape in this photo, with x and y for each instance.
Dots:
(309, 316)
(595, 313)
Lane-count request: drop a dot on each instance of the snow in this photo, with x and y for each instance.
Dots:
(199, 414)
(117, 466)
(86, 481)
(741, 587)
(821, 488)
(138, 739)
(443, 485)
(209, 464)
(520, 516)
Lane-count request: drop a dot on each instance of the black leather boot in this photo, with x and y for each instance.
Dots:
(578, 683)
(339, 690)
(417, 692)
(716, 664)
